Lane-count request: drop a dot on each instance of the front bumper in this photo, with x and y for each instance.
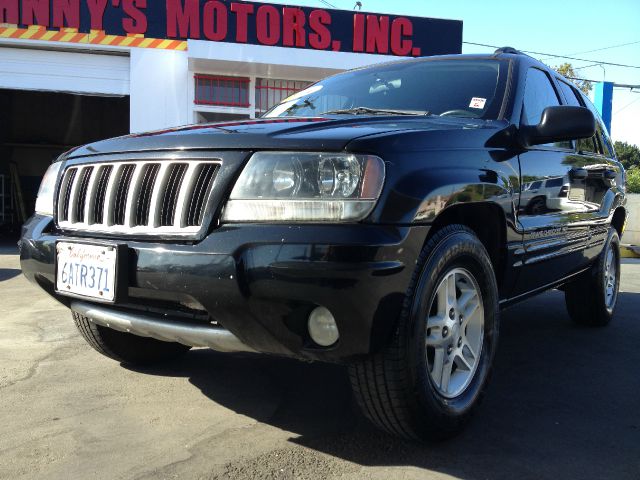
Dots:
(261, 281)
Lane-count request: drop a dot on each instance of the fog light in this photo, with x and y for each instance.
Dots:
(322, 327)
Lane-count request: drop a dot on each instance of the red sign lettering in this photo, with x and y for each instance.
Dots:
(358, 32)
(268, 25)
(96, 12)
(137, 21)
(401, 33)
(242, 11)
(9, 12)
(293, 33)
(183, 22)
(66, 13)
(377, 34)
(253, 23)
(214, 20)
(35, 12)
(320, 38)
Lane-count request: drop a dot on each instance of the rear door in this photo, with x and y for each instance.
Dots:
(558, 217)
(603, 173)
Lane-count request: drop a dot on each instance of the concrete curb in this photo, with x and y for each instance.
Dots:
(630, 251)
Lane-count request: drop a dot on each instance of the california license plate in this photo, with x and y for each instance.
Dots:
(86, 270)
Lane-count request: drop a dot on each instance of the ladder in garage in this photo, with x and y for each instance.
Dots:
(6, 217)
(17, 200)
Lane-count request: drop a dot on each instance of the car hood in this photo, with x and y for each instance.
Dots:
(317, 133)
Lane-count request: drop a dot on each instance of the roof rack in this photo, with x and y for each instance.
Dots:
(508, 50)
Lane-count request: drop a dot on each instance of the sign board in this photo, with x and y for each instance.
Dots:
(169, 23)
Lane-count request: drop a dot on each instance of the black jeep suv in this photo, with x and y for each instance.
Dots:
(380, 218)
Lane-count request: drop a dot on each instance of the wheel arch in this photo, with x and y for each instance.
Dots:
(487, 220)
(618, 220)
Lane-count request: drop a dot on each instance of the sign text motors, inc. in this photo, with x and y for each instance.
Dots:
(244, 22)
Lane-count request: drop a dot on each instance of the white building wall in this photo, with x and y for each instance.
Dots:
(278, 62)
(159, 89)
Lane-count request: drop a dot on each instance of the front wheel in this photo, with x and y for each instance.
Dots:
(429, 381)
(591, 298)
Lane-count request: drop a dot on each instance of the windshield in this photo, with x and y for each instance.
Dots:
(464, 88)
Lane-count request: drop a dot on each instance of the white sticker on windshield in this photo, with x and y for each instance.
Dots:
(477, 102)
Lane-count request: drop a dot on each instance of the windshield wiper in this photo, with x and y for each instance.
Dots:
(373, 111)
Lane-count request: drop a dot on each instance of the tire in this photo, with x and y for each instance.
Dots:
(537, 206)
(125, 347)
(397, 388)
(591, 298)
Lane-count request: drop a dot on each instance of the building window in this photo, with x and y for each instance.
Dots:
(224, 91)
(270, 92)
(211, 117)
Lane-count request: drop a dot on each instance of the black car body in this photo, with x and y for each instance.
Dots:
(261, 280)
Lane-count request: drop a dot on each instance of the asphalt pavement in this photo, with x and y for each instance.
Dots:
(564, 403)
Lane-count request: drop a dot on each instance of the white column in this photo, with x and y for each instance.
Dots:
(159, 89)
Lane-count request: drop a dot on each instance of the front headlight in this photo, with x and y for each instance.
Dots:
(306, 187)
(44, 202)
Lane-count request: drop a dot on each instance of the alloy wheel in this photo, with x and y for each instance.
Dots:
(610, 278)
(455, 333)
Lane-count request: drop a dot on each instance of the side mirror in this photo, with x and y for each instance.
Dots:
(559, 124)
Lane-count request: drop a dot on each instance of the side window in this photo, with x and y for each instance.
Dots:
(554, 182)
(573, 97)
(607, 145)
(570, 95)
(586, 145)
(538, 95)
(601, 137)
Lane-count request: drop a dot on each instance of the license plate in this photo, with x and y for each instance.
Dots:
(86, 270)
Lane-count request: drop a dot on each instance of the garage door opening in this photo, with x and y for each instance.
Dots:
(35, 128)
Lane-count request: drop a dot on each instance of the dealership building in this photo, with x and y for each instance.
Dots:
(76, 71)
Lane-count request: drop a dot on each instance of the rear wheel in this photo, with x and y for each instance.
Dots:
(126, 347)
(591, 298)
(429, 381)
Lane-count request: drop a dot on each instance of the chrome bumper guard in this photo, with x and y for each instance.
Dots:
(162, 328)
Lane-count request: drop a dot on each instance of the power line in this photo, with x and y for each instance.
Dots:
(628, 104)
(588, 66)
(550, 55)
(327, 4)
(603, 48)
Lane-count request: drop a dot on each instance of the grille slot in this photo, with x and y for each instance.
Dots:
(201, 190)
(65, 198)
(101, 193)
(85, 176)
(170, 198)
(146, 190)
(122, 191)
(137, 197)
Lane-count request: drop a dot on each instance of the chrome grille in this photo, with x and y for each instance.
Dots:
(136, 197)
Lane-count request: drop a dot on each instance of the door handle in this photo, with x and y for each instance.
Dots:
(578, 173)
(610, 174)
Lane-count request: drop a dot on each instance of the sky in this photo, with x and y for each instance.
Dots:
(559, 27)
